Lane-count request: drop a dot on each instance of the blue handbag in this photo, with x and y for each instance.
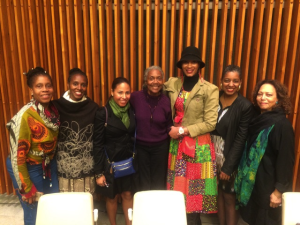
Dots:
(125, 167)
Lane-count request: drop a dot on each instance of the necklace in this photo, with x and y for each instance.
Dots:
(152, 109)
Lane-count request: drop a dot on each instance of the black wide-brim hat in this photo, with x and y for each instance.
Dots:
(190, 53)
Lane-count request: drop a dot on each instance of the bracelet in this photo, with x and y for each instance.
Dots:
(98, 175)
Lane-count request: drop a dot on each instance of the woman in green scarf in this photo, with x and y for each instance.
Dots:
(114, 129)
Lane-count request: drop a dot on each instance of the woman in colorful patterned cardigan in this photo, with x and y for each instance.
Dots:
(192, 167)
(33, 136)
(266, 167)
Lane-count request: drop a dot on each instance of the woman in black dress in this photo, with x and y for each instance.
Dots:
(266, 167)
(117, 140)
(234, 115)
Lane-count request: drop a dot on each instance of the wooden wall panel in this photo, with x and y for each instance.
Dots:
(221, 45)
(247, 45)
(108, 38)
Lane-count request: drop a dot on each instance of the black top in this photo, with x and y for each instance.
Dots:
(115, 138)
(75, 140)
(276, 166)
(233, 128)
(189, 82)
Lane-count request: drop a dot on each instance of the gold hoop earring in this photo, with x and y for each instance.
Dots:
(239, 87)
(221, 86)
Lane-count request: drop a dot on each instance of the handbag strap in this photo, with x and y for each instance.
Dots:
(105, 125)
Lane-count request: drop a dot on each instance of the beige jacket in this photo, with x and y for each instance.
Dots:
(201, 107)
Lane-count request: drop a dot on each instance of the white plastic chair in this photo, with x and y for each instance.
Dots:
(74, 208)
(290, 208)
(159, 208)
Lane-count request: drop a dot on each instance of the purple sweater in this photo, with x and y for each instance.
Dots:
(155, 131)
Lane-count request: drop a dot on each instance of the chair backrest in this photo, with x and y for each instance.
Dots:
(74, 208)
(290, 208)
(159, 208)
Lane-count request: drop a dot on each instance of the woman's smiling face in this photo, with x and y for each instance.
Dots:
(266, 97)
(190, 68)
(42, 89)
(231, 83)
(77, 87)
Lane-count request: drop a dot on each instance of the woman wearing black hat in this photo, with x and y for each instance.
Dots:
(192, 166)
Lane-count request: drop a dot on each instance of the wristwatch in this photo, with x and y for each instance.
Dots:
(181, 130)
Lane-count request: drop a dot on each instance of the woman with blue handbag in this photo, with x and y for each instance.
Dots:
(114, 137)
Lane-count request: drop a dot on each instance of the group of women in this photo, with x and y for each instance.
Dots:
(218, 149)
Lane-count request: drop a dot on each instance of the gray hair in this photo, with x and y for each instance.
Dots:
(152, 68)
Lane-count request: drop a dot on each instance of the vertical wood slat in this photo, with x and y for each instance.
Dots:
(262, 68)
(125, 39)
(164, 35)
(247, 45)
(255, 48)
(240, 33)
(132, 46)
(109, 38)
(71, 33)
(213, 40)
(33, 32)
(229, 49)
(25, 27)
(102, 40)
(87, 45)
(188, 26)
(5, 183)
(64, 40)
(49, 45)
(57, 48)
(7, 60)
(79, 32)
(292, 48)
(156, 31)
(95, 27)
(222, 37)
(21, 50)
(284, 40)
(117, 20)
(148, 33)
(180, 31)
(197, 23)
(204, 32)
(41, 33)
(14, 56)
(172, 38)
(140, 42)
(274, 40)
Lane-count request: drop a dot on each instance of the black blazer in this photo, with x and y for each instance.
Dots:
(115, 138)
(233, 128)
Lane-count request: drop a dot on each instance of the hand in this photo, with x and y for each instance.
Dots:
(224, 176)
(101, 181)
(174, 132)
(275, 199)
(33, 198)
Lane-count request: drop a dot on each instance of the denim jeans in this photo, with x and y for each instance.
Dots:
(42, 185)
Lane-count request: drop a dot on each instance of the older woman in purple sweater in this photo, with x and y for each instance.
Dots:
(153, 121)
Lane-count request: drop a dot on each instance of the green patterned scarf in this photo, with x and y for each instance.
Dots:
(247, 170)
(120, 112)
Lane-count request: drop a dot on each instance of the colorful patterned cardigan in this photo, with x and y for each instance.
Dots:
(30, 140)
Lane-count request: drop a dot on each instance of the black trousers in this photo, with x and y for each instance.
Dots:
(152, 166)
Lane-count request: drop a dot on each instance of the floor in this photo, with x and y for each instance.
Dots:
(11, 213)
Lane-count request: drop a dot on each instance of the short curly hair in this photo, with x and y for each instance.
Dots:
(284, 101)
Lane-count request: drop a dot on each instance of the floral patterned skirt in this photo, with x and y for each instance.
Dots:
(192, 170)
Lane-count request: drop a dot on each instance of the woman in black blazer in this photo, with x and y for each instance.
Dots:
(117, 140)
(234, 115)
